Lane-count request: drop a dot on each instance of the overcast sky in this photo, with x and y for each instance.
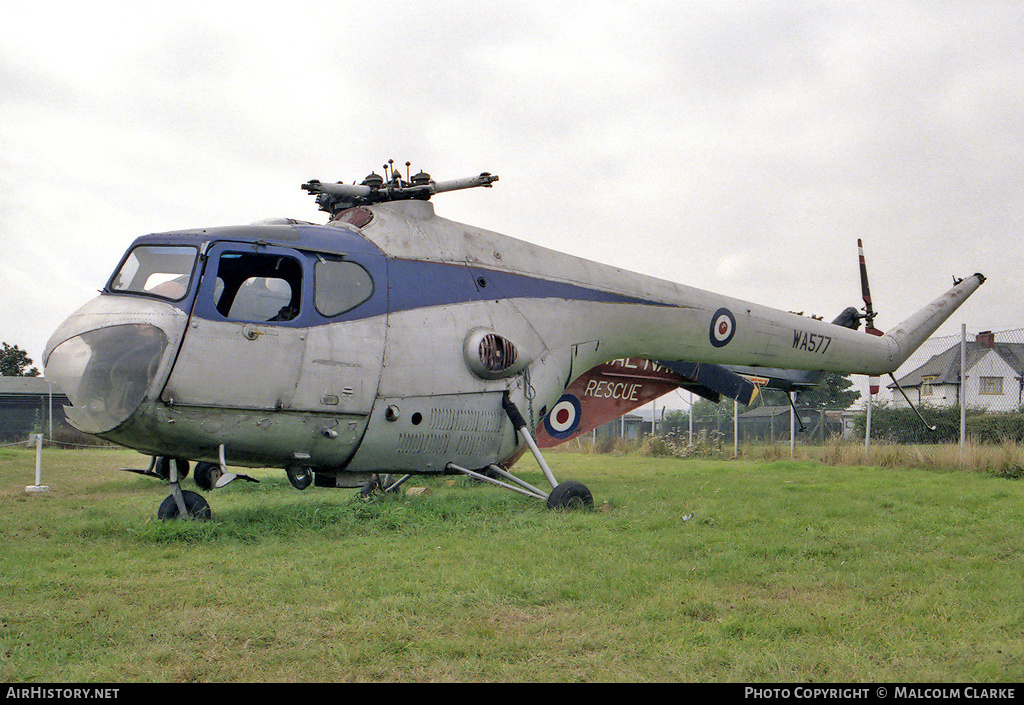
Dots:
(741, 147)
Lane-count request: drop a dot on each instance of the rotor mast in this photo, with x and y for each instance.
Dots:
(333, 198)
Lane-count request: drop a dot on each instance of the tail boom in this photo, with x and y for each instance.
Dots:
(732, 332)
(908, 336)
(877, 354)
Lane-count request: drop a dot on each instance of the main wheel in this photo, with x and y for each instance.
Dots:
(196, 506)
(570, 495)
(206, 475)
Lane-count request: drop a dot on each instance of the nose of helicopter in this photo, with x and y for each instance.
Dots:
(106, 373)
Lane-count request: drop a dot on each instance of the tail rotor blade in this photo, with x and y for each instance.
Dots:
(869, 311)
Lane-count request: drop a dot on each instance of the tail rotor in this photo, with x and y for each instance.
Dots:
(869, 311)
(869, 327)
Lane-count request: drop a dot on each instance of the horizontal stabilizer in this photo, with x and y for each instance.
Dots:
(716, 378)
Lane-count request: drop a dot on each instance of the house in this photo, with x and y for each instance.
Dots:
(629, 426)
(995, 377)
(25, 407)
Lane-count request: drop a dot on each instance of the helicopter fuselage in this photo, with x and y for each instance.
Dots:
(386, 340)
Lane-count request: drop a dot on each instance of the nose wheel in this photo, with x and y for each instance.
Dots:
(206, 475)
(193, 506)
(181, 504)
(184, 504)
(300, 476)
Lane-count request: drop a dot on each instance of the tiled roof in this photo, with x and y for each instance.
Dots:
(945, 367)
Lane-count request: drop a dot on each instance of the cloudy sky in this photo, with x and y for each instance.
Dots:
(741, 147)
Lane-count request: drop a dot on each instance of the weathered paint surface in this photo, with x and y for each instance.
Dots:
(388, 385)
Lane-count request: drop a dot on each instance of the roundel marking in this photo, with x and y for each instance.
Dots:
(723, 326)
(564, 418)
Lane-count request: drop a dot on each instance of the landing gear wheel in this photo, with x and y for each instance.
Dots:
(162, 468)
(197, 507)
(207, 475)
(301, 476)
(570, 495)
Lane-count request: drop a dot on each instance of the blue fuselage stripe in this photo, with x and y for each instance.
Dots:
(417, 284)
(407, 284)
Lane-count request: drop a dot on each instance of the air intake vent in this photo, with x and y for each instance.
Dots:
(496, 353)
(492, 356)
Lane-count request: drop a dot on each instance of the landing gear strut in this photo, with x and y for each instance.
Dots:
(384, 483)
(567, 495)
(182, 505)
(179, 504)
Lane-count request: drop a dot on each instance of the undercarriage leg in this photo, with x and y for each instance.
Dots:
(182, 505)
(524, 432)
(179, 498)
(523, 488)
(567, 495)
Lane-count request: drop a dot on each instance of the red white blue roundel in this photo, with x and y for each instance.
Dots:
(723, 326)
(564, 418)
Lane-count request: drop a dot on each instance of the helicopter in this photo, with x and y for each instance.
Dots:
(391, 342)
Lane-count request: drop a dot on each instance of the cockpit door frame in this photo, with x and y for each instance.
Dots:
(258, 362)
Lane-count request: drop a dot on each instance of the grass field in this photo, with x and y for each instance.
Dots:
(689, 570)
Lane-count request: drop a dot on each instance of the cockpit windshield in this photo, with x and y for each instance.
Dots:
(157, 270)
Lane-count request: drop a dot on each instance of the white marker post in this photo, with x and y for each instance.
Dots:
(38, 487)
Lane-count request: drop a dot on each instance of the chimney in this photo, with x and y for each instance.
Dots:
(986, 338)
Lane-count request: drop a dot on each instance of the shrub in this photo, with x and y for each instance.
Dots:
(901, 425)
(996, 428)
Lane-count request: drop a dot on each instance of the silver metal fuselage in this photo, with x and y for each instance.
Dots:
(447, 318)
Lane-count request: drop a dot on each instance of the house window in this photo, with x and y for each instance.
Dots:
(926, 385)
(990, 385)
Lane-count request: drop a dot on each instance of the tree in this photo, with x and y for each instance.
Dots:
(674, 421)
(833, 393)
(14, 361)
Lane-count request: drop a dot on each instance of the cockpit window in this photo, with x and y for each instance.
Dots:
(258, 287)
(159, 270)
(341, 286)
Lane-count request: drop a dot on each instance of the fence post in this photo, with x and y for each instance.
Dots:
(792, 424)
(38, 487)
(867, 428)
(691, 418)
(963, 379)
